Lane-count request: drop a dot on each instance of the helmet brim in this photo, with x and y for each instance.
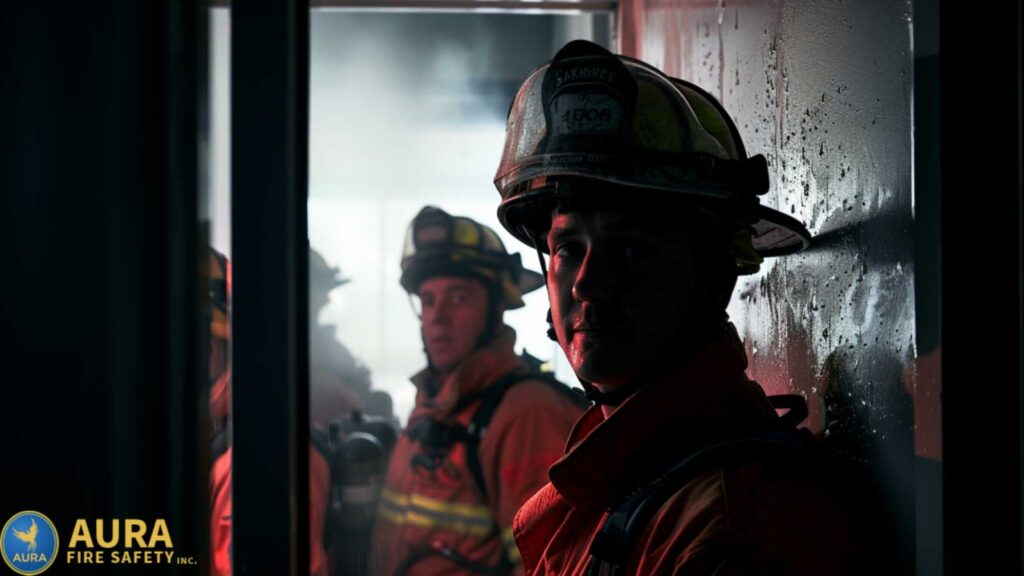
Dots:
(778, 234)
(529, 281)
(772, 232)
(420, 270)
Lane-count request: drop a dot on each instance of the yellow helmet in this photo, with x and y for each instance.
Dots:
(591, 123)
(439, 244)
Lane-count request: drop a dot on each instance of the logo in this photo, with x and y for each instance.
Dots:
(29, 543)
(123, 541)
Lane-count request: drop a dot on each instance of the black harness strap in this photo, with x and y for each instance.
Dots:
(439, 437)
(218, 445)
(321, 440)
(481, 419)
(612, 545)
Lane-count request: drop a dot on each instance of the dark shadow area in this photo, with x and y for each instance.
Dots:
(877, 435)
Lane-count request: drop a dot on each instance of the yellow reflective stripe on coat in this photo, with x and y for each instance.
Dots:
(471, 511)
(511, 550)
(419, 510)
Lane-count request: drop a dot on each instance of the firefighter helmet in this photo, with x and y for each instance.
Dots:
(589, 123)
(322, 275)
(439, 244)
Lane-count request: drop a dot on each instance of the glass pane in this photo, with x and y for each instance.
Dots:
(838, 324)
(216, 213)
(408, 110)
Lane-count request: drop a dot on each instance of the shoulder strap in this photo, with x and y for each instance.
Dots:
(441, 436)
(611, 546)
(321, 440)
(218, 445)
(492, 396)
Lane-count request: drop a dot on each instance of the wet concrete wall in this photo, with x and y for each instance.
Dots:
(823, 90)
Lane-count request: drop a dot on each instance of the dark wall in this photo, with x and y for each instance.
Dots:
(823, 90)
(98, 172)
(980, 162)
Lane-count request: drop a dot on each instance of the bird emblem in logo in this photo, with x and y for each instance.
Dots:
(28, 543)
(28, 536)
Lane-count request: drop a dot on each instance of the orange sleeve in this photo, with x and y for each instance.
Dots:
(526, 435)
(220, 516)
(319, 499)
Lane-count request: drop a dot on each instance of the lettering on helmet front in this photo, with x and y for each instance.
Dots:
(582, 113)
(584, 73)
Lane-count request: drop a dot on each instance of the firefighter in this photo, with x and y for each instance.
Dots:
(485, 425)
(219, 277)
(339, 382)
(637, 189)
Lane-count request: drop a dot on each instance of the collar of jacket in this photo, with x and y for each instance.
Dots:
(707, 400)
(480, 369)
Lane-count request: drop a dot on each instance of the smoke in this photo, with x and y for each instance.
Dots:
(408, 110)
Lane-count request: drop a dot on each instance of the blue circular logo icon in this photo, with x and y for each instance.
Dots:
(29, 543)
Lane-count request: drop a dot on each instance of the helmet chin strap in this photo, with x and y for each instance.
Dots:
(432, 385)
(493, 317)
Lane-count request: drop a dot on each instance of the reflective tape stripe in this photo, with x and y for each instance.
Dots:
(511, 550)
(419, 501)
(418, 510)
(458, 508)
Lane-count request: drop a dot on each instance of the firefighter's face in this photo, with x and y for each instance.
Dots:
(454, 316)
(621, 289)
